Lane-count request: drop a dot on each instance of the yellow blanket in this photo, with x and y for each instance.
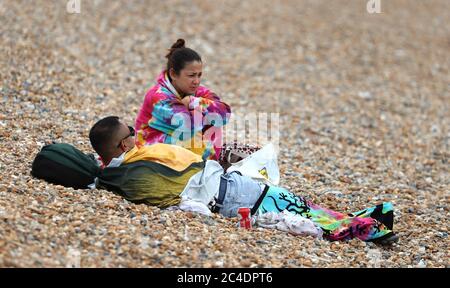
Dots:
(175, 157)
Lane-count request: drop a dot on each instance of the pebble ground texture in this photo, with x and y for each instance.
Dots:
(363, 100)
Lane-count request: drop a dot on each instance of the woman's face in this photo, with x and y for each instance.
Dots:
(188, 80)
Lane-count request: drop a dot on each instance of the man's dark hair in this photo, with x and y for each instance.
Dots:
(102, 135)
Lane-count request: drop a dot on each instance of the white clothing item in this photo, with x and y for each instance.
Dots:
(170, 86)
(115, 162)
(194, 103)
(204, 185)
(93, 185)
(289, 222)
(194, 206)
(97, 159)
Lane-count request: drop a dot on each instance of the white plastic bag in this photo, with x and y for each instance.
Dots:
(261, 165)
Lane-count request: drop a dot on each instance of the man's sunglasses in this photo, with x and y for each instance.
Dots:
(129, 135)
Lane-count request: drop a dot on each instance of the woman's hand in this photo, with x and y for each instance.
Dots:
(186, 100)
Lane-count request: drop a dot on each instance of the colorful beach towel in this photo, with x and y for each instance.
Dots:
(368, 224)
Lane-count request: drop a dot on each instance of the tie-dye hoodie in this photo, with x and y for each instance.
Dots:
(163, 118)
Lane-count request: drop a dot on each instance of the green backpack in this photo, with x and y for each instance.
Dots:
(65, 165)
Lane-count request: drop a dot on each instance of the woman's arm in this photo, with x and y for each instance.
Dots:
(208, 102)
(170, 114)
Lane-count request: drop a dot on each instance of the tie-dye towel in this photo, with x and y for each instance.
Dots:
(163, 118)
(368, 224)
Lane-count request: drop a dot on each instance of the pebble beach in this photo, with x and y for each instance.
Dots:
(363, 103)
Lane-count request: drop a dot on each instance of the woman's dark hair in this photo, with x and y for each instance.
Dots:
(179, 55)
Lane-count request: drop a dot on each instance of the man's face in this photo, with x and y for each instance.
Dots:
(125, 137)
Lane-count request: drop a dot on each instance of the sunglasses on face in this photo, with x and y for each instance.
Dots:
(129, 135)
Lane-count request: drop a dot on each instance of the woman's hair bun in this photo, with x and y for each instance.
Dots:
(179, 44)
(179, 55)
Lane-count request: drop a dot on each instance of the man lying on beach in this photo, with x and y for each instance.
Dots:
(166, 175)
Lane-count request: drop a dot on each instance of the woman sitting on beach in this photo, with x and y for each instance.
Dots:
(178, 110)
(168, 114)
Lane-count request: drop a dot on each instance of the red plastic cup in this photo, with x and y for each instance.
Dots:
(244, 218)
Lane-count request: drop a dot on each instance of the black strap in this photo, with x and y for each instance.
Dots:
(260, 199)
(235, 171)
(222, 190)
